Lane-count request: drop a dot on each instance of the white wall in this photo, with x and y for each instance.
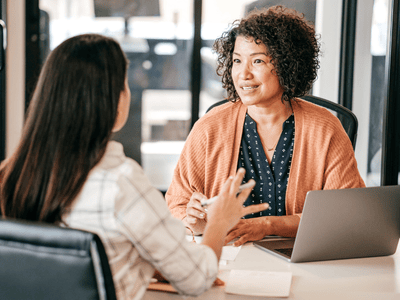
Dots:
(328, 25)
(15, 73)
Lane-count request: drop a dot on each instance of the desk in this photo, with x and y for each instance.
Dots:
(355, 279)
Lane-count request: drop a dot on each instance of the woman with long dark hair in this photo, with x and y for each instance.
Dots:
(67, 171)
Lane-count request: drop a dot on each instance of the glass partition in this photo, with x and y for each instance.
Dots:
(369, 87)
(379, 30)
(156, 36)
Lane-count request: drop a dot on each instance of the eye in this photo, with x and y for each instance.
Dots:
(236, 60)
(258, 61)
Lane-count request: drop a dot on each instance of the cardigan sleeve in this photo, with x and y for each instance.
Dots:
(323, 157)
(208, 158)
(340, 170)
(189, 173)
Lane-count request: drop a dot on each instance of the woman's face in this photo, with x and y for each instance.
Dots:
(251, 73)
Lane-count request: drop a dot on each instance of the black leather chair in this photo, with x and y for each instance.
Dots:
(43, 261)
(347, 118)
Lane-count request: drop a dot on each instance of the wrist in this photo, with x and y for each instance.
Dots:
(217, 226)
(216, 229)
(268, 226)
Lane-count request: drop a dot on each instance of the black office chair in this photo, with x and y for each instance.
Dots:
(42, 261)
(346, 116)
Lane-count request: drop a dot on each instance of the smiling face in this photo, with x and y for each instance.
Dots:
(252, 74)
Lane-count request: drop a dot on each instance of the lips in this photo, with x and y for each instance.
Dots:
(248, 88)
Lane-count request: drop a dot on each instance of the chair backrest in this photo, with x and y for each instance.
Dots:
(346, 116)
(43, 261)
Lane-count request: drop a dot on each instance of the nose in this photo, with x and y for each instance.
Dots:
(245, 72)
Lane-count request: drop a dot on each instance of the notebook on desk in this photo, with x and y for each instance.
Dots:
(340, 224)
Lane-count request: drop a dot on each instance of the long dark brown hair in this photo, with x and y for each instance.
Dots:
(69, 122)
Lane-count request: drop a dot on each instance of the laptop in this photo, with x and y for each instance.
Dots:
(341, 224)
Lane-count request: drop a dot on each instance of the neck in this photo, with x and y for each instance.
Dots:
(275, 113)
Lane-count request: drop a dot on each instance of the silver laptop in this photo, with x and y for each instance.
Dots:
(339, 224)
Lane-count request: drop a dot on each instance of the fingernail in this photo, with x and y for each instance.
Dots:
(206, 210)
(201, 215)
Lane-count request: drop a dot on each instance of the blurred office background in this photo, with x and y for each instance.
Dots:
(172, 68)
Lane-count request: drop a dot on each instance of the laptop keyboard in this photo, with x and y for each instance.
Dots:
(279, 245)
(285, 251)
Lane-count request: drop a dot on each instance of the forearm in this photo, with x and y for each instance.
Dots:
(214, 237)
(281, 225)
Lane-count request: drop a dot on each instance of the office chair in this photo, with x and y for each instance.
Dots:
(346, 116)
(44, 261)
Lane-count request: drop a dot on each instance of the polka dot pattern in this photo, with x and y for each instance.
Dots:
(271, 179)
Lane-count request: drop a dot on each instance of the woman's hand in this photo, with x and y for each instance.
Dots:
(248, 230)
(226, 212)
(228, 209)
(196, 215)
(257, 228)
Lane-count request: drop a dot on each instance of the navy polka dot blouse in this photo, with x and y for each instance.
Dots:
(271, 180)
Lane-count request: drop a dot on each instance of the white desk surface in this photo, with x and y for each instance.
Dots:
(358, 279)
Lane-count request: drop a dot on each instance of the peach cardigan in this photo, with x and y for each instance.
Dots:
(323, 157)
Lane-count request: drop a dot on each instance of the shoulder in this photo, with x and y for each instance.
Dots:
(126, 176)
(222, 112)
(315, 116)
(113, 157)
(318, 127)
(219, 117)
(115, 164)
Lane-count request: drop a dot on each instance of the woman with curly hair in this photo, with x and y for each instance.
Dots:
(287, 145)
